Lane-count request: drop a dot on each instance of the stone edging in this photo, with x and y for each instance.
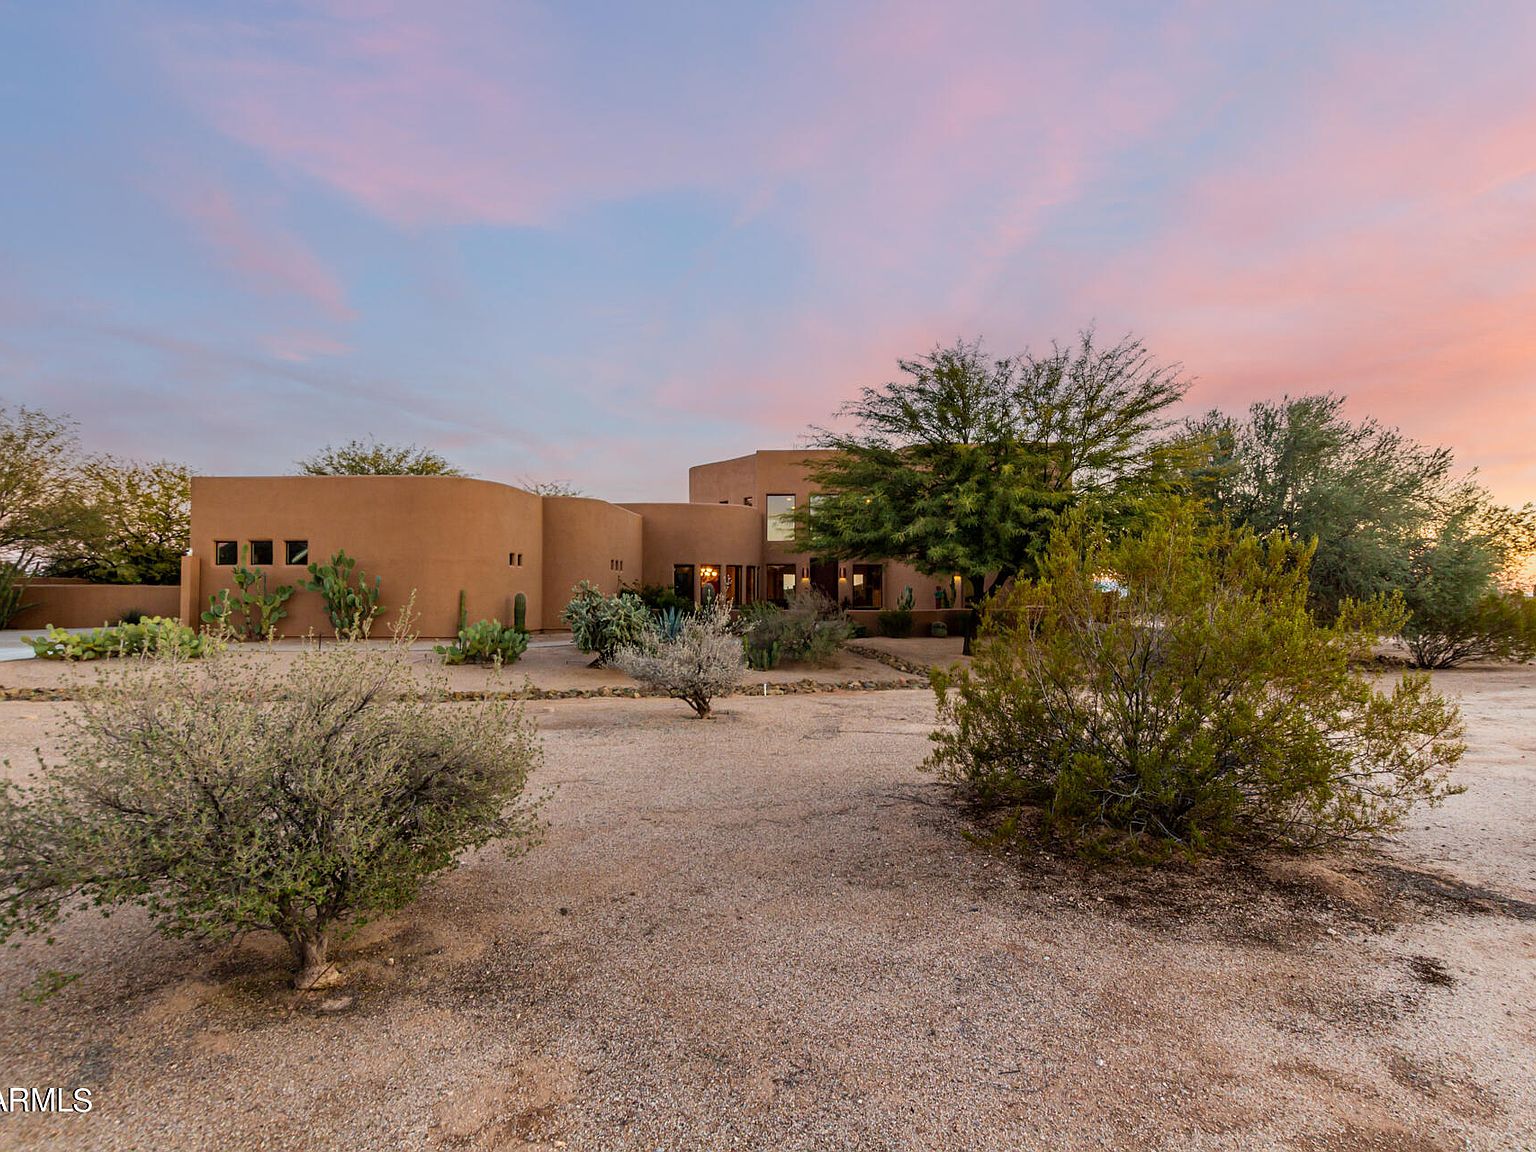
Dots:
(608, 691)
(890, 661)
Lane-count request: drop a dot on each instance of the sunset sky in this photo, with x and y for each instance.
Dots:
(601, 242)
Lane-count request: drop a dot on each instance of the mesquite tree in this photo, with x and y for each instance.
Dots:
(963, 465)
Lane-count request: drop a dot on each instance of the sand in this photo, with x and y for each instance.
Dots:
(771, 931)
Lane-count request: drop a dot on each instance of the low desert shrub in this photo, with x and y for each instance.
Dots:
(151, 634)
(222, 800)
(938, 629)
(705, 660)
(603, 624)
(484, 642)
(812, 630)
(1202, 709)
(897, 621)
(660, 599)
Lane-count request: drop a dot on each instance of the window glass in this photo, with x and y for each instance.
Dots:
(296, 551)
(261, 553)
(226, 552)
(682, 580)
(866, 589)
(781, 518)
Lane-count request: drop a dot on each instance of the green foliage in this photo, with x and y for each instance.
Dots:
(603, 624)
(151, 635)
(485, 642)
(897, 621)
(38, 510)
(1444, 630)
(222, 801)
(1203, 709)
(762, 655)
(669, 622)
(252, 611)
(964, 465)
(131, 522)
(520, 612)
(131, 616)
(463, 612)
(660, 598)
(703, 661)
(811, 630)
(11, 591)
(371, 458)
(350, 607)
(938, 629)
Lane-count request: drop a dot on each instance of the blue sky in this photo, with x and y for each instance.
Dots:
(602, 242)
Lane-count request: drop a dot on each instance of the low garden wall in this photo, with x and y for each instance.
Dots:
(922, 619)
(73, 604)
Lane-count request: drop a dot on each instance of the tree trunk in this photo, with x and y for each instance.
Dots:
(973, 612)
(311, 947)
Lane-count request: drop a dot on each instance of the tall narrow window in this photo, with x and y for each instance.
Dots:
(682, 580)
(866, 590)
(781, 518)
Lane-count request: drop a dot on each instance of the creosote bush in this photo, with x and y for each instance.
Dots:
(222, 800)
(703, 661)
(811, 630)
(1201, 708)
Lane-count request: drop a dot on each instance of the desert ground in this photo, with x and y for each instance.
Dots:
(771, 930)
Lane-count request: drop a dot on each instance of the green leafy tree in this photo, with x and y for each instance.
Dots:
(222, 801)
(38, 454)
(1456, 609)
(1199, 707)
(131, 522)
(372, 458)
(1388, 515)
(963, 465)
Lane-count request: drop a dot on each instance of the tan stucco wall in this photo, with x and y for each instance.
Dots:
(431, 534)
(581, 537)
(784, 471)
(699, 534)
(76, 604)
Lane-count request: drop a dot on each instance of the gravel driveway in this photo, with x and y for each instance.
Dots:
(769, 931)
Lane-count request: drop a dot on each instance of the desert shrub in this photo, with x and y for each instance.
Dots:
(811, 630)
(660, 599)
(1202, 708)
(222, 800)
(897, 621)
(704, 661)
(484, 642)
(938, 629)
(132, 616)
(603, 624)
(1456, 609)
(151, 634)
(350, 607)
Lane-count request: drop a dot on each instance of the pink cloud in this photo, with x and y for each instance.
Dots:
(267, 256)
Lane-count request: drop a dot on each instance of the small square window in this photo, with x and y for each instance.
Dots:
(226, 552)
(747, 500)
(261, 552)
(296, 551)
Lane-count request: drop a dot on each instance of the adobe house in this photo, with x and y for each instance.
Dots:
(438, 536)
